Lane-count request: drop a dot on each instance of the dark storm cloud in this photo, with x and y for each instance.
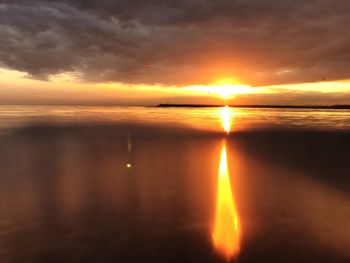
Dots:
(183, 42)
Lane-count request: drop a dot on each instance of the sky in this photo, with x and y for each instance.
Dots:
(136, 52)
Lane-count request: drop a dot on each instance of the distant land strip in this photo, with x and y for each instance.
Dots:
(256, 106)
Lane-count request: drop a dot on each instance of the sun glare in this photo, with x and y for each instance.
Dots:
(223, 88)
(228, 90)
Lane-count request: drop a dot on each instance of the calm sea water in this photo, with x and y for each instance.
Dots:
(206, 119)
(140, 184)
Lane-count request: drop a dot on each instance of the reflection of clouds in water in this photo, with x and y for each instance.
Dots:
(70, 184)
(324, 213)
(317, 214)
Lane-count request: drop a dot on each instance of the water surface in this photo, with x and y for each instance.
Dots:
(135, 184)
(206, 119)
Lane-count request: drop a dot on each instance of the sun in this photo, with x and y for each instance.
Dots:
(225, 91)
(227, 88)
(224, 88)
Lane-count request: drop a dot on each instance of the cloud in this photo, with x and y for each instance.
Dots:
(183, 42)
(284, 97)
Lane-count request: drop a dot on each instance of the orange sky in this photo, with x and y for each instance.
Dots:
(17, 88)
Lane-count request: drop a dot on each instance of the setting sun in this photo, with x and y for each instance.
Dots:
(229, 90)
(224, 88)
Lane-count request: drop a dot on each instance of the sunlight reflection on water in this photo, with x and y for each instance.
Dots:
(97, 193)
(199, 118)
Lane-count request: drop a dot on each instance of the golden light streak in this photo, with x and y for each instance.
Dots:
(226, 231)
(225, 113)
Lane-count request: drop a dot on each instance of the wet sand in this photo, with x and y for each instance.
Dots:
(68, 195)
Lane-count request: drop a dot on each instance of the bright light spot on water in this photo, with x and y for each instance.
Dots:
(226, 232)
(226, 118)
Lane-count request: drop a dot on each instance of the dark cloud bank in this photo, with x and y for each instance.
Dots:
(183, 41)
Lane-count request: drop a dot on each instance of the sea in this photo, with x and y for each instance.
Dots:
(152, 184)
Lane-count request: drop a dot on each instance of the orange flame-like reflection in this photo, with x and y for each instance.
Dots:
(226, 118)
(226, 231)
